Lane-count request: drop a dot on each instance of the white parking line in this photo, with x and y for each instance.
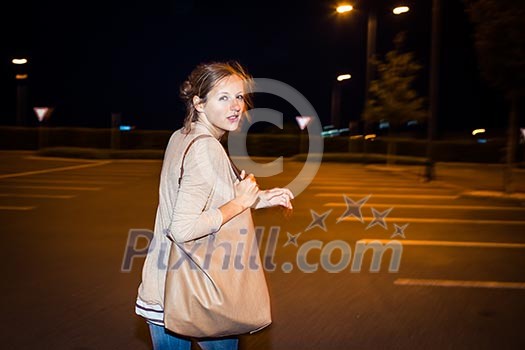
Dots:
(368, 182)
(389, 189)
(406, 196)
(64, 159)
(463, 244)
(442, 221)
(48, 196)
(45, 171)
(15, 208)
(458, 283)
(44, 181)
(430, 206)
(54, 187)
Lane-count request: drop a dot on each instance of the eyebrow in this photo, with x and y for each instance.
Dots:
(225, 92)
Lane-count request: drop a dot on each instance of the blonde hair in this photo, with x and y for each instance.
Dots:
(204, 78)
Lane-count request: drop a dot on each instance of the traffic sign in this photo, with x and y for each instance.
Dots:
(42, 112)
(303, 121)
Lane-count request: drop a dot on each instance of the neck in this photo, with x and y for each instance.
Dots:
(214, 131)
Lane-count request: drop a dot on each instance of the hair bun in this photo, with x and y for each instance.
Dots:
(186, 90)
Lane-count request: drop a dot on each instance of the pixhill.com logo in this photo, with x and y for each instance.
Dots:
(311, 255)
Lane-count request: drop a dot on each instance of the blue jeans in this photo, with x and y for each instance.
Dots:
(163, 339)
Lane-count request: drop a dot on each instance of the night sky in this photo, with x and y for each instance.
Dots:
(89, 59)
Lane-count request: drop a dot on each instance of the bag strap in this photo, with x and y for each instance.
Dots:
(186, 152)
(235, 169)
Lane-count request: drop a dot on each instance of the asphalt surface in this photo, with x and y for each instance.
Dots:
(460, 282)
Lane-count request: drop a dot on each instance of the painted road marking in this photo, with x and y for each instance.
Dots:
(15, 208)
(391, 189)
(44, 181)
(54, 187)
(463, 244)
(430, 206)
(45, 171)
(442, 221)
(406, 196)
(368, 181)
(71, 160)
(458, 283)
(48, 196)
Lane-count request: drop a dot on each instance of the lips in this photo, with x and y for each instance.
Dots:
(233, 118)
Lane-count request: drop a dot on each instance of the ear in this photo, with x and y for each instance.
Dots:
(198, 104)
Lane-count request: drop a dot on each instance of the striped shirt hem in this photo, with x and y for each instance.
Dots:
(153, 313)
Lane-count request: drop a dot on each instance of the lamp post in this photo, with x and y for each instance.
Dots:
(336, 99)
(21, 91)
(371, 36)
(433, 88)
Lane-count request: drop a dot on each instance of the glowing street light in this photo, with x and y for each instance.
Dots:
(336, 99)
(478, 131)
(19, 60)
(21, 89)
(400, 9)
(344, 8)
(344, 77)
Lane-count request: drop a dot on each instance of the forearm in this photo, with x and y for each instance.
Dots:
(231, 210)
(187, 226)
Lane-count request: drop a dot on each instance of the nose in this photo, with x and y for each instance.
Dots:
(235, 105)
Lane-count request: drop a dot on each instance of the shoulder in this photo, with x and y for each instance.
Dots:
(207, 150)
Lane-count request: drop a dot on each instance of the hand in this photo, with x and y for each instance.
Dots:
(246, 191)
(276, 196)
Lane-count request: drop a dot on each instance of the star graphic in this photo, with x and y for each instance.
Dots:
(292, 239)
(379, 218)
(318, 220)
(400, 231)
(353, 208)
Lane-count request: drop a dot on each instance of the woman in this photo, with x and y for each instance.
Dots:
(196, 174)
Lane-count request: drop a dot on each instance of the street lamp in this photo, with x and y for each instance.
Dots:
(344, 77)
(336, 99)
(371, 37)
(19, 60)
(344, 8)
(400, 10)
(21, 90)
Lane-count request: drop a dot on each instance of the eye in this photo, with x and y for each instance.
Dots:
(240, 97)
(223, 98)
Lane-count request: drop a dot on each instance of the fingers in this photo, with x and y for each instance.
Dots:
(288, 193)
(280, 192)
(243, 174)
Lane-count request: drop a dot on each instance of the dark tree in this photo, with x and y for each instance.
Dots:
(392, 96)
(499, 34)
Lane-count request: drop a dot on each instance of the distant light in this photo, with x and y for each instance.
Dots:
(21, 76)
(303, 121)
(328, 127)
(344, 8)
(370, 136)
(344, 77)
(412, 122)
(401, 9)
(19, 61)
(125, 127)
(354, 137)
(384, 124)
(43, 112)
(478, 131)
(482, 140)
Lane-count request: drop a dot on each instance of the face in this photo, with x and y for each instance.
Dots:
(224, 104)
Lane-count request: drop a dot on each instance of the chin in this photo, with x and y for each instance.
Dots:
(232, 127)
